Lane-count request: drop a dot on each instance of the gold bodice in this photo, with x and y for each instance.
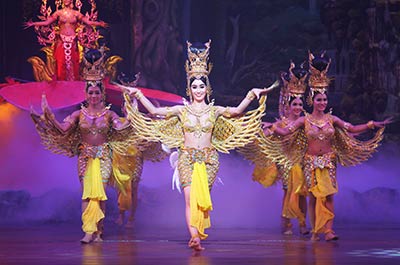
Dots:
(321, 130)
(198, 128)
(95, 126)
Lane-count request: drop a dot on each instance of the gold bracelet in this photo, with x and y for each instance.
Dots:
(169, 113)
(251, 95)
(138, 94)
(371, 125)
(226, 112)
(273, 128)
(269, 132)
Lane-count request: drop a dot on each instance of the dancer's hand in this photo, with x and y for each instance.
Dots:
(271, 87)
(28, 24)
(380, 124)
(103, 24)
(127, 89)
(265, 90)
(33, 111)
(45, 104)
(266, 124)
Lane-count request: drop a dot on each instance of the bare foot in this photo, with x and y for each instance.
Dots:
(304, 231)
(97, 238)
(331, 236)
(87, 238)
(194, 243)
(119, 221)
(288, 232)
(315, 237)
(130, 224)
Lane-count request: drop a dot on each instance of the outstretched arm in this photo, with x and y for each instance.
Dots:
(64, 126)
(153, 110)
(118, 123)
(46, 22)
(86, 20)
(275, 129)
(361, 127)
(251, 95)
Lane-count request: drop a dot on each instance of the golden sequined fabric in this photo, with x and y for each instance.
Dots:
(319, 130)
(188, 156)
(103, 152)
(312, 162)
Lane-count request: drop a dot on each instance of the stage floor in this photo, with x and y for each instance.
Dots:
(59, 244)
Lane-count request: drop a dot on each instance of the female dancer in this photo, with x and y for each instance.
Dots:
(65, 48)
(101, 140)
(198, 130)
(327, 142)
(294, 204)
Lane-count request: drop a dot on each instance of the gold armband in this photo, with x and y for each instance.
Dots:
(68, 119)
(268, 132)
(226, 113)
(138, 94)
(371, 125)
(169, 113)
(250, 95)
(273, 128)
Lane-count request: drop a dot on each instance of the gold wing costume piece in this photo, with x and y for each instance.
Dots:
(273, 153)
(228, 133)
(55, 140)
(351, 151)
(128, 149)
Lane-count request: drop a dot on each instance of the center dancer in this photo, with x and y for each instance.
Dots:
(198, 129)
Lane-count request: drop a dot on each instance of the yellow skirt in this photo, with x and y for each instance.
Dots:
(320, 191)
(295, 188)
(200, 199)
(93, 190)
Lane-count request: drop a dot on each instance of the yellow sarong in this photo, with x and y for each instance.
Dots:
(295, 188)
(93, 190)
(200, 199)
(320, 191)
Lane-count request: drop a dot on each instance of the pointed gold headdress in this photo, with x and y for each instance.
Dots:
(197, 66)
(318, 81)
(293, 86)
(93, 65)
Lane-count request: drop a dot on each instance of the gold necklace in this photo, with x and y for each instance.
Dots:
(198, 113)
(96, 115)
(320, 123)
(197, 128)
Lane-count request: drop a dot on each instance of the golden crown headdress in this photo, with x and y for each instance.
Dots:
(318, 81)
(93, 65)
(197, 65)
(293, 86)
